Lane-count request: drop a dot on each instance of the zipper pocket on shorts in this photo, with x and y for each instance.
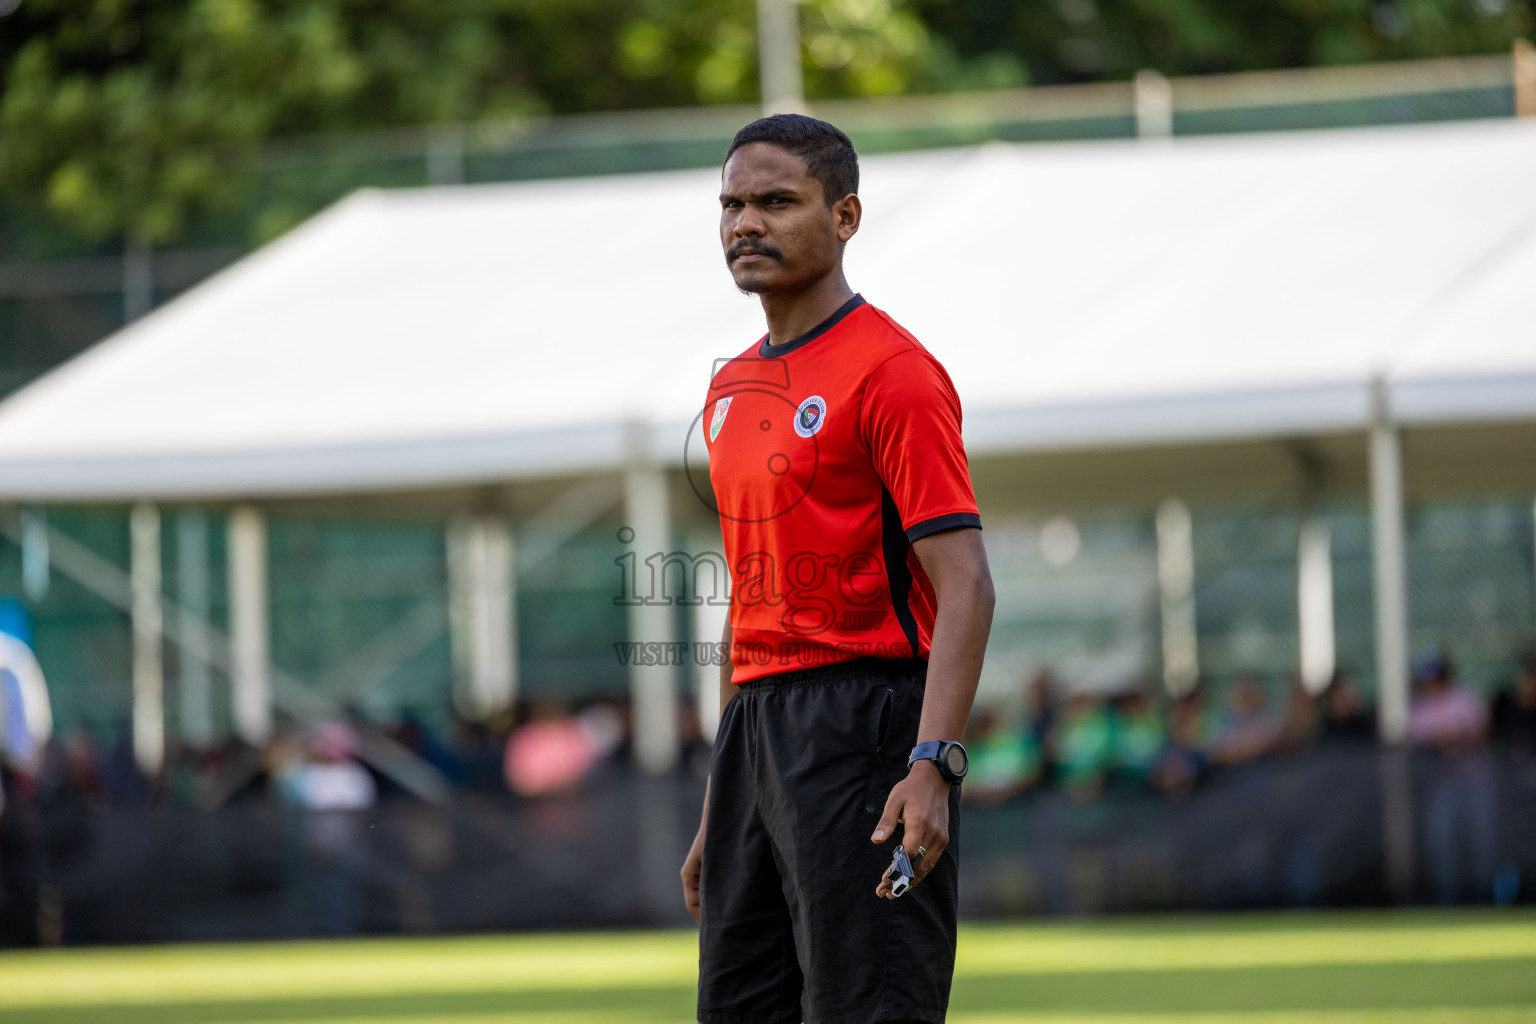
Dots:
(882, 733)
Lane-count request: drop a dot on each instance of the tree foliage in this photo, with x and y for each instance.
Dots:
(121, 118)
(1079, 40)
(117, 116)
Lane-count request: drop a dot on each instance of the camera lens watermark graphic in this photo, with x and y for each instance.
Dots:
(757, 429)
(758, 440)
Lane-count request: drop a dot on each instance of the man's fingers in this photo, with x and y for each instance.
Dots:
(691, 873)
(888, 820)
(928, 839)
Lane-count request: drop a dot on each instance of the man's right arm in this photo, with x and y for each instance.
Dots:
(693, 865)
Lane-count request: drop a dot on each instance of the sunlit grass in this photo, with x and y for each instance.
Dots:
(1252, 969)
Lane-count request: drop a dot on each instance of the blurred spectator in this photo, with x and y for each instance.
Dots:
(126, 784)
(1005, 759)
(1186, 757)
(1040, 705)
(412, 734)
(332, 788)
(480, 746)
(1140, 737)
(555, 749)
(1514, 712)
(1449, 720)
(75, 771)
(330, 780)
(1445, 714)
(694, 751)
(1248, 730)
(1300, 725)
(1083, 745)
(1344, 718)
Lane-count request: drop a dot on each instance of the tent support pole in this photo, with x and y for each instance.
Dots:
(1176, 584)
(1390, 566)
(709, 618)
(653, 688)
(778, 55)
(148, 637)
(1314, 603)
(482, 613)
(249, 641)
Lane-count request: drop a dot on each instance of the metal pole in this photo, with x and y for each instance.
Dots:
(148, 633)
(1176, 581)
(482, 613)
(1314, 604)
(1389, 554)
(653, 688)
(1152, 96)
(250, 658)
(1390, 558)
(778, 57)
(34, 552)
(1523, 57)
(138, 280)
(709, 617)
(445, 156)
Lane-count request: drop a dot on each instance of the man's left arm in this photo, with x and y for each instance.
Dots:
(955, 562)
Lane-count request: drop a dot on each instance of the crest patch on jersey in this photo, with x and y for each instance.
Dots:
(810, 416)
(721, 408)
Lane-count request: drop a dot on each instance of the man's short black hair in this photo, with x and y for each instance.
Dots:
(827, 153)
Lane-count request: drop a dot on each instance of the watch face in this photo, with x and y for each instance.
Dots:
(955, 760)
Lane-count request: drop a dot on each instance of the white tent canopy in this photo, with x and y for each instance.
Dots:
(1107, 294)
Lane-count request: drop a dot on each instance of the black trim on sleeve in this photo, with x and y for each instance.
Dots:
(898, 576)
(768, 351)
(938, 524)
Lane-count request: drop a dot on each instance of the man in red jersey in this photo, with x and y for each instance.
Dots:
(861, 603)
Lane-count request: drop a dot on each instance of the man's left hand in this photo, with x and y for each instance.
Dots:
(920, 803)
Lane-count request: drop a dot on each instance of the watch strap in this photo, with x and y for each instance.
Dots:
(937, 751)
(928, 751)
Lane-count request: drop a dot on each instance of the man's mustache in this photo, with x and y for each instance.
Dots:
(743, 245)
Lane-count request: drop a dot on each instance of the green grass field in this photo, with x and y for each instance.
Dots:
(1262, 969)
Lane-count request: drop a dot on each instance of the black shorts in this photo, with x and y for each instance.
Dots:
(791, 928)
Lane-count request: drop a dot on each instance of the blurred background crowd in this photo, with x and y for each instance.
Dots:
(1079, 741)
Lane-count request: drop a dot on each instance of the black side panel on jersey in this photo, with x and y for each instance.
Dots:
(894, 546)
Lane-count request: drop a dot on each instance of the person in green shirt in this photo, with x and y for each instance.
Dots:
(1140, 736)
(1084, 746)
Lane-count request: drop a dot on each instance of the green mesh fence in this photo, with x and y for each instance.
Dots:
(83, 641)
(1472, 577)
(359, 610)
(1410, 108)
(567, 620)
(1245, 592)
(1075, 596)
(359, 607)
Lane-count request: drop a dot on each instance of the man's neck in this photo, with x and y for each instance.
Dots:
(790, 316)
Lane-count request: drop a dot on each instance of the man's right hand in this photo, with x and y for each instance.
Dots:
(692, 866)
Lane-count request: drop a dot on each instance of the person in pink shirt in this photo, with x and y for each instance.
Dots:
(1450, 720)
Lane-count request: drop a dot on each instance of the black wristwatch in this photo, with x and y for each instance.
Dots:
(949, 755)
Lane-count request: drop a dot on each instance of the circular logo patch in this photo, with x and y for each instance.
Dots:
(810, 416)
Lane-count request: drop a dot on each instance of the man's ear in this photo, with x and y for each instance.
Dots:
(847, 212)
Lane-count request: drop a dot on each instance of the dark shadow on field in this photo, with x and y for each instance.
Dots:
(1311, 987)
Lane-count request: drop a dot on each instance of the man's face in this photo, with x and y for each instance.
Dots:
(776, 229)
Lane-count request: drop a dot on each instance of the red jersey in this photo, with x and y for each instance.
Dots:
(829, 455)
